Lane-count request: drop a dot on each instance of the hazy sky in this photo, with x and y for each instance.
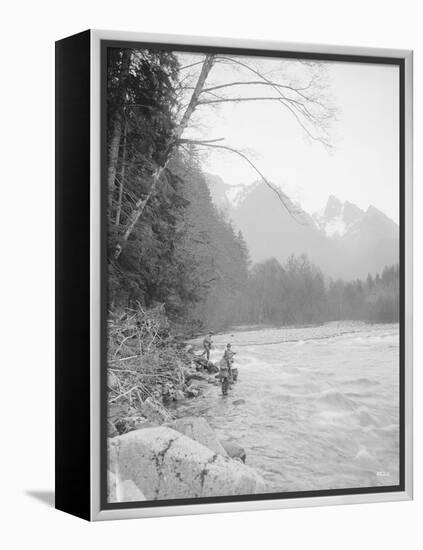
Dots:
(363, 165)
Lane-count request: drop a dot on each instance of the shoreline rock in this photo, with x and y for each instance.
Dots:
(234, 450)
(154, 456)
(199, 429)
(122, 491)
(154, 412)
(165, 464)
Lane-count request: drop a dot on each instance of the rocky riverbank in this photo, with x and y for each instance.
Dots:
(161, 457)
(182, 459)
(163, 396)
(151, 453)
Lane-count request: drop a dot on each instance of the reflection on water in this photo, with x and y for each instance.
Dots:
(321, 404)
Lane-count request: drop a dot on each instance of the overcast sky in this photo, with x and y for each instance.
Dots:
(363, 165)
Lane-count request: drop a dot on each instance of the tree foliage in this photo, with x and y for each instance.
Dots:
(167, 243)
(181, 253)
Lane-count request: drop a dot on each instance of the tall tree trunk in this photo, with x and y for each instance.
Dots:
(113, 159)
(142, 203)
(117, 127)
(121, 178)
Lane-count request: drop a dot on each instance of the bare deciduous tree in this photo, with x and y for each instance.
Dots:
(307, 103)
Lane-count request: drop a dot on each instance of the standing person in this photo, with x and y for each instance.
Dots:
(228, 357)
(224, 376)
(207, 344)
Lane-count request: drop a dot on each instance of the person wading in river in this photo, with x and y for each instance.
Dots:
(224, 375)
(207, 344)
(228, 357)
(225, 370)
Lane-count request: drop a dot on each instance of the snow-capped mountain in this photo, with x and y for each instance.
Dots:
(343, 240)
(337, 218)
(364, 240)
(227, 196)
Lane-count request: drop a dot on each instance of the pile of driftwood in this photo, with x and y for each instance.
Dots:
(143, 358)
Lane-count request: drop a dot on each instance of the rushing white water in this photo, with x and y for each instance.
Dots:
(321, 406)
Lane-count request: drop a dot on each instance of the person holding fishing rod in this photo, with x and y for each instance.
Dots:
(226, 368)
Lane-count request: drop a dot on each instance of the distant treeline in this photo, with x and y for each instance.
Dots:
(168, 244)
(297, 293)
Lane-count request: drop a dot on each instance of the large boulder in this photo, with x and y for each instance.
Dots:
(194, 376)
(212, 368)
(154, 412)
(234, 450)
(129, 492)
(192, 391)
(111, 487)
(199, 429)
(111, 429)
(116, 411)
(179, 395)
(122, 491)
(165, 464)
(123, 418)
(202, 363)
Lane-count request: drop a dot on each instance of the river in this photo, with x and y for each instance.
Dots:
(318, 405)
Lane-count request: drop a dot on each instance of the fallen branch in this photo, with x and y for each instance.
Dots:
(122, 394)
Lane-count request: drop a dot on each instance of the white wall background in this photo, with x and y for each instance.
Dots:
(29, 29)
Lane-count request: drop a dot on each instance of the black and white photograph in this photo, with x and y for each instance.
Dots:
(208, 314)
(252, 302)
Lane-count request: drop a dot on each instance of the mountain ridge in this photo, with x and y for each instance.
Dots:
(342, 239)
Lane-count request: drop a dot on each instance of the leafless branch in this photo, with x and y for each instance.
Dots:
(297, 108)
(200, 142)
(191, 65)
(282, 197)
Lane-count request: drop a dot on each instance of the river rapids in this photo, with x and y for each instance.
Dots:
(315, 408)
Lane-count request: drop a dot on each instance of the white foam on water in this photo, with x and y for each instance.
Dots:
(321, 404)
